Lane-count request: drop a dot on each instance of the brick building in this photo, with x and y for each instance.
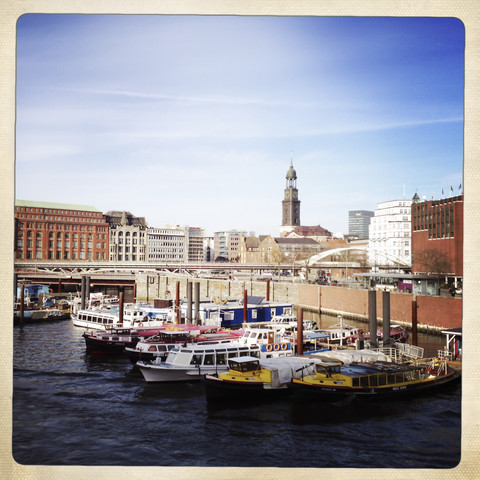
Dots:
(438, 225)
(57, 231)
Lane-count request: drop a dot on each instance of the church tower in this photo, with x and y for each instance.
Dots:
(290, 203)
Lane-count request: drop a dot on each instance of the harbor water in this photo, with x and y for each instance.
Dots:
(73, 408)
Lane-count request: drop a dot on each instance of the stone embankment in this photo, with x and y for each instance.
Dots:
(433, 313)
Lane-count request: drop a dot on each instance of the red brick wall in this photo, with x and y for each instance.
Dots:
(442, 312)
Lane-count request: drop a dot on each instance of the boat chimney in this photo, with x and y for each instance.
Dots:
(386, 319)
(372, 316)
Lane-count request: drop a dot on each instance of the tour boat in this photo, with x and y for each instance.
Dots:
(250, 378)
(397, 334)
(334, 380)
(116, 340)
(191, 362)
(159, 346)
(133, 317)
(340, 333)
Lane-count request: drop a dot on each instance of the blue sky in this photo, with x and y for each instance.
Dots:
(193, 119)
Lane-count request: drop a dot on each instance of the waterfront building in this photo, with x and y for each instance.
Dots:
(176, 243)
(167, 244)
(437, 225)
(249, 248)
(128, 237)
(390, 235)
(58, 231)
(227, 245)
(358, 223)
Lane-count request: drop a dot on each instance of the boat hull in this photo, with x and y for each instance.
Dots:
(220, 391)
(328, 393)
(154, 373)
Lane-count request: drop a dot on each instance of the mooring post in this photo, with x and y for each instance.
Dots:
(120, 308)
(414, 321)
(87, 289)
(386, 318)
(189, 303)
(22, 303)
(299, 331)
(82, 292)
(268, 290)
(197, 303)
(177, 303)
(245, 306)
(372, 316)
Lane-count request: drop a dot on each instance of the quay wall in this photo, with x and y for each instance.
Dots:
(433, 312)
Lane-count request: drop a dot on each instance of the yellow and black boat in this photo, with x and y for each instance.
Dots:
(252, 378)
(332, 380)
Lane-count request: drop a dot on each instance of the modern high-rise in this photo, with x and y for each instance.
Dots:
(390, 242)
(358, 223)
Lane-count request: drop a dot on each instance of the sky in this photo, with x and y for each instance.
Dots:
(194, 120)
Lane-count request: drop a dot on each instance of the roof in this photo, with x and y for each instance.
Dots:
(292, 241)
(315, 230)
(404, 276)
(57, 206)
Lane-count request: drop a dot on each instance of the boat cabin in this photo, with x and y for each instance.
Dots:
(218, 354)
(244, 364)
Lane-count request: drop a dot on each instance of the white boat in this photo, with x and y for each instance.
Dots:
(133, 317)
(272, 342)
(286, 321)
(191, 362)
(341, 333)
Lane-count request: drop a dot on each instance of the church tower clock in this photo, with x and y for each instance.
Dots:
(290, 203)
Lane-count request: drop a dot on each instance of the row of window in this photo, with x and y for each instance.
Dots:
(60, 255)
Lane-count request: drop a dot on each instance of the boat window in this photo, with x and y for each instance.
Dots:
(114, 338)
(152, 349)
(208, 359)
(243, 348)
(382, 379)
(196, 359)
(355, 382)
(255, 353)
(221, 359)
(391, 378)
(374, 380)
(162, 348)
(170, 347)
(399, 377)
(364, 381)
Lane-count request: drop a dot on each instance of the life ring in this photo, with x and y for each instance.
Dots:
(284, 346)
(269, 347)
(140, 324)
(276, 347)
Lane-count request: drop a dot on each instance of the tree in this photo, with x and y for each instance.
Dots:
(432, 261)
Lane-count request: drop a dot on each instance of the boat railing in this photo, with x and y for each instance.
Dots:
(445, 354)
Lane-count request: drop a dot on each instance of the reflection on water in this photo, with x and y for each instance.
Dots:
(73, 408)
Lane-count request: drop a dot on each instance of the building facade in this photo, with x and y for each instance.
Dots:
(227, 245)
(128, 237)
(359, 223)
(57, 231)
(390, 242)
(437, 225)
(167, 244)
